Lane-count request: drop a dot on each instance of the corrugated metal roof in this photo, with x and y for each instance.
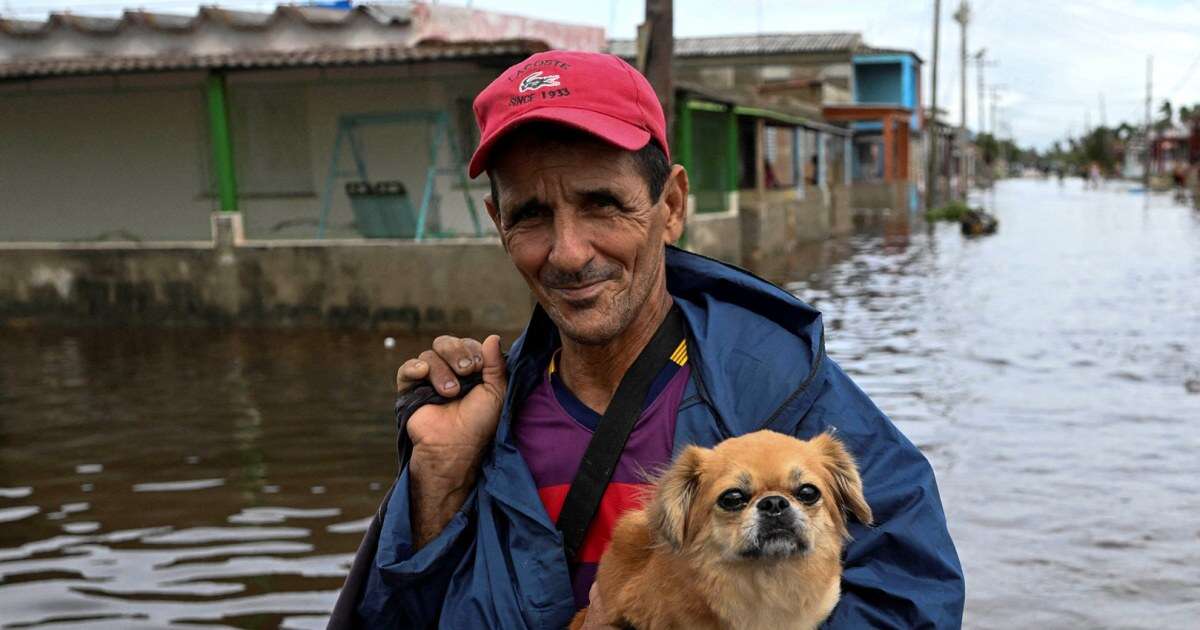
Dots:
(873, 50)
(740, 45)
(36, 68)
(386, 15)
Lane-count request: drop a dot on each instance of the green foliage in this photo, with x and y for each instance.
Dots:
(992, 149)
(952, 211)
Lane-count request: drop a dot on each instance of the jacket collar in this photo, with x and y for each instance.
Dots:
(756, 349)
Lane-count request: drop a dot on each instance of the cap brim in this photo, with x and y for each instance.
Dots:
(607, 128)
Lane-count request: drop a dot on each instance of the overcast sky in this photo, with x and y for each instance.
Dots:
(1054, 59)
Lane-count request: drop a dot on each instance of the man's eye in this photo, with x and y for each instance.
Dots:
(524, 216)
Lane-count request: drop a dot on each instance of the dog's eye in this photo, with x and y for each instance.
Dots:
(732, 500)
(808, 494)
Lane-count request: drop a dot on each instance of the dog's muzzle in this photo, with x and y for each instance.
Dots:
(777, 530)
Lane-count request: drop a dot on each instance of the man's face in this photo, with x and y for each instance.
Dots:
(578, 221)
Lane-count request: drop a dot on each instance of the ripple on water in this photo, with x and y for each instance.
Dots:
(201, 535)
(8, 515)
(270, 515)
(179, 486)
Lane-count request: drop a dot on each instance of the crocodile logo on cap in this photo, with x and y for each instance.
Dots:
(536, 81)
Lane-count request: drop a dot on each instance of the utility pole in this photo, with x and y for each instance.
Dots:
(962, 16)
(1103, 118)
(995, 97)
(931, 126)
(979, 95)
(656, 46)
(1149, 140)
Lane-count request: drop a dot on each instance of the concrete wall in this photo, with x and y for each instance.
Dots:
(841, 220)
(773, 222)
(87, 159)
(394, 152)
(461, 285)
(716, 235)
(880, 195)
(128, 158)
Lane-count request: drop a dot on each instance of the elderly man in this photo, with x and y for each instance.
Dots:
(587, 206)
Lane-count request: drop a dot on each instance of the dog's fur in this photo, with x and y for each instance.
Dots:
(685, 562)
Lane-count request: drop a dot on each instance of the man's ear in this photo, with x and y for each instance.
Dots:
(494, 213)
(672, 501)
(675, 196)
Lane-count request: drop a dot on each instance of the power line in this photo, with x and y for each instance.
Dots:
(1186, 75)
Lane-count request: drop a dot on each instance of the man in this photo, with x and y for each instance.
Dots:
(587, 205)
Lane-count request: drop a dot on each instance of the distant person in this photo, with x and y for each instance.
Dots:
(1092, 175)
(587, 205)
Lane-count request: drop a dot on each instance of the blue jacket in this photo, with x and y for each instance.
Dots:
(758, 362)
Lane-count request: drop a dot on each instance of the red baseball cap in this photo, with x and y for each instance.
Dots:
(593, 92)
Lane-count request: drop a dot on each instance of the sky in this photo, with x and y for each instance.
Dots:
(1060, 66)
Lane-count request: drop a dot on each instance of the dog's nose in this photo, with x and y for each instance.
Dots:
(773, 505)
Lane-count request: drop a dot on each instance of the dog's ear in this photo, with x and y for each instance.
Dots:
(843, 472)
(677, 488)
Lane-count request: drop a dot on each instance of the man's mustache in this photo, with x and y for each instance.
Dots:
(554, 278)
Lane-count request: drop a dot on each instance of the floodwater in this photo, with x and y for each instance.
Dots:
(1051, 373)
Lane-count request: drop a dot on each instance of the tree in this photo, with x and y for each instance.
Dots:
(1166, 117)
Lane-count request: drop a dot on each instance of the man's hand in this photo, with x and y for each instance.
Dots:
(449, 440)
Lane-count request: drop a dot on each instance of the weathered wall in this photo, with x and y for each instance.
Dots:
(461, 285)
(716, 235)
(129, 158)
(841, 220)
(880, 195)
(775, 221)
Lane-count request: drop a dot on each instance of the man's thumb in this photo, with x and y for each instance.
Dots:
(494, 373)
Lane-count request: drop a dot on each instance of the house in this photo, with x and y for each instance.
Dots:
(804, 127)
(222, 168)
(136, 128)
(759, 154)
(886, 115)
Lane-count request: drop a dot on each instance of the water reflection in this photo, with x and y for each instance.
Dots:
(170, 477)
(165, 478)
(1044, 371)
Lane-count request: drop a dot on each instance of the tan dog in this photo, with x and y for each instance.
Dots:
(746, 535)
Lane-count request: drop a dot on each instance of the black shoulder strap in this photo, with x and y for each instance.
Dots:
(607, 443)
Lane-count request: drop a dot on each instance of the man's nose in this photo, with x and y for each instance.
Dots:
(571, 249)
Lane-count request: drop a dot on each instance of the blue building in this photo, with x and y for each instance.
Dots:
(885, 79)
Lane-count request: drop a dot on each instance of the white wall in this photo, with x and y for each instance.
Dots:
(82, 158)
(391, 152)
(85, 158)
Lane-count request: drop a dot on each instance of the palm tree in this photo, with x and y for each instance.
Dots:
(1164, 123)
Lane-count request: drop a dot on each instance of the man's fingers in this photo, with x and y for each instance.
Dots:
(456, 353)
(476, 351)
(493, 365)
(412, 372)
(443, 379)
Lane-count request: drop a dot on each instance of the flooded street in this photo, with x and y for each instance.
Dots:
(154, 479)
(1045, 373)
